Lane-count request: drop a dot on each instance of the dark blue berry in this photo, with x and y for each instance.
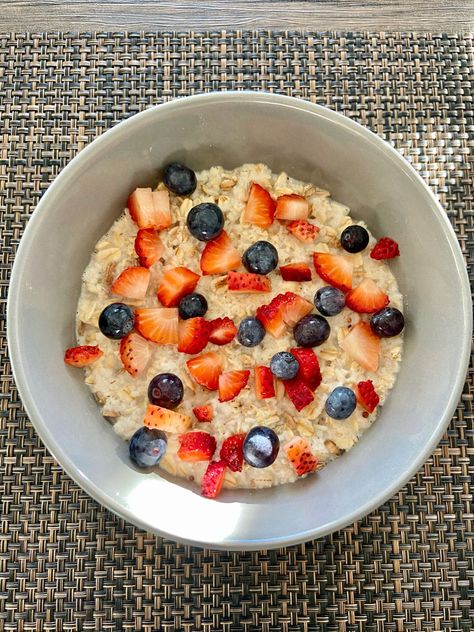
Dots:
(251, 332)
(192, 306)
(261, 447)
(388, 322)
(205, 221)
(166, 390)
(284, 365)
(341, 403)
(329, 300)
(179, 179)
(116, 321)
(354, 238)
(260, 258)
(311, 331)
(147, 446)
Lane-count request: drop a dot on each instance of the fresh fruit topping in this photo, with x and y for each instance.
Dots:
(134, 353)
(354, 238)
(293, 307)
(261, 447)
(309, 371)
(292, 207)
(248, 283)
(300, 456)
(148, 246)
(223, 331)
(116, 321)
(82, 355)
(284, 365)
(334, 269)
(385, 248)
(158, 324)
(261, 257)
(147, 446)
(303, 230)
(165, 390)
(231, 383)
(219, 256)
(166, 419)
(205, 369)
(363, 346)
(251, 332)
(367, 396)
(193, 335)
(388, 322)
(150, 209)
(192, 305)
(298, 392)
(213, 479)
(175, 284)
(205, 221)
(311, 331)
(132, 283)
(296, 272)
(196, 446)
(179, 179)
(264, 385)
(231, 452)
(271, 317)
(260, 207)
(340, 403)
(204, 413)
(367, 298)
(329, 300)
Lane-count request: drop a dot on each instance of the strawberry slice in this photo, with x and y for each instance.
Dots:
(296, 272)
(248, 283)
(158, 324)
(148, 246)
(300, 455)
(292, 207)
(260, 207)
(196, 446)
(264, 385)
(219, 256)
(363, 346)
(231, 383)
(367, 298)
(213, 479)
(82, 355)
(165, 419)
(150, 209)
(367, 396)
(309, 370)
(293, 307)
(175, 284)
(134, 352)
(271, 317)
(223, 331)
(303, 230)
(132, 283)
(232, 452)
(385, 248)
(193, 335)
(203, 413)
(205, 369)
(334, 269)
(299, 393)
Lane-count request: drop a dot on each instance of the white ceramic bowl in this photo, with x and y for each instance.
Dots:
(312, 144)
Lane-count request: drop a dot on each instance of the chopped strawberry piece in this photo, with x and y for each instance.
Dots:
(264, 385)
(334, 269)
(196, 446)
(132, 283)
(367, 395)
(219, 256)
(299, 393)
(296, 272)
(193, 335)
(367, 298)
(175, 284)
(213, 479)
(271, 317)
(260, 207)
(82, 355)
(293, 307)
(231, 383)
(232, 453)
(292, 207)
(158, 324)
(300, 455)
(203, 413)
(134, 353)
(150, 209)
(148, 246)
(247, 282)
(223, 331)
(363, 346)
(166, 419)
(303, 230)
(385, 248)
(205, 369)
(309, 370)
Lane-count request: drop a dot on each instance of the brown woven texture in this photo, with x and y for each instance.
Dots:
(67, 563)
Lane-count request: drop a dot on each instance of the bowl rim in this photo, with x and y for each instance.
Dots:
(55, 448)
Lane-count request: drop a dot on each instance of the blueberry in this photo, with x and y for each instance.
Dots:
(166, 390)
(116, 321)
(179, 179)
(341, 403)
(388, 322)
(147, 446)
(192, 305)
(260, 258)
(205, 221)
(251, 332)
(354, 238)
(261, 447)
(311, 331)
(329, 300)
(284, 365)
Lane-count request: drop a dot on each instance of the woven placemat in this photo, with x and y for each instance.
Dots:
(66, 563)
